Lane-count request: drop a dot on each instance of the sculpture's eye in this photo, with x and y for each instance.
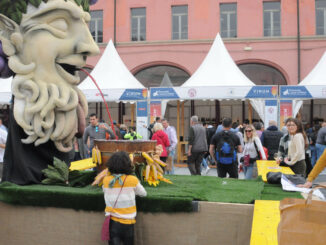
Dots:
(59, 24)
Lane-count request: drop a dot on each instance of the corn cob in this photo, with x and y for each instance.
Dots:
(163, 164)
(99, 156)
(147, 157)
(131, 156)
(158, 167)
(94, 155)
(154, 172)
(148, 167)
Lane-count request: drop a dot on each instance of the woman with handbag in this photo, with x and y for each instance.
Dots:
(252, 149)
(296, 146)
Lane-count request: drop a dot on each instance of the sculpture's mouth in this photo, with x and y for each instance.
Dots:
(68, 68)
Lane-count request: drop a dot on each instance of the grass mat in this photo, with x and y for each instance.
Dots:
(275, 192)
(164, 198)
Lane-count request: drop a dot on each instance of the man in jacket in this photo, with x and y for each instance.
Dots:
(197, 145)
(270, 139)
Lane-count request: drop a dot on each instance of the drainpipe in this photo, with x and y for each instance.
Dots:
(115, 22)
(298, 41)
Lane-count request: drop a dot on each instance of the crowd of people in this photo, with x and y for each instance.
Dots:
(235, 147)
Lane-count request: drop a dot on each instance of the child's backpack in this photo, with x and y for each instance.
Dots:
(225, 149)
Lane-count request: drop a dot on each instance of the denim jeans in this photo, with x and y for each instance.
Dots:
(320, 149)
(248, 171)
(313, 152)
(170, 161)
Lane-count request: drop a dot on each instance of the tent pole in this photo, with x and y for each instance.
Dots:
(132, 114)
(249, 112)
(101, 113)
(311, 112)
(243, 111)
(178, 132)
(183, 120)
(192, 107)
(217, 112)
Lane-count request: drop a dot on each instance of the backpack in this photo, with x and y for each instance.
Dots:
(225, 149)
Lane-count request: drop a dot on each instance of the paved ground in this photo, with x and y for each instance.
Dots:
(182, 169)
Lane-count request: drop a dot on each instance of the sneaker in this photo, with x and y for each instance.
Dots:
(207, 170)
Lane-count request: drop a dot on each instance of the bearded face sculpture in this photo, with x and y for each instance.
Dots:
(45, 43)
(45, 51)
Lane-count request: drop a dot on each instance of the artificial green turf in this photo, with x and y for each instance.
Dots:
(177, 197)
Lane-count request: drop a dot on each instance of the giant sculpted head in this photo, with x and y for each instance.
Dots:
(46, 45)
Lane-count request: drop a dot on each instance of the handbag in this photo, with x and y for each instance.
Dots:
(246, 160)
(105, 234)
(302, 222)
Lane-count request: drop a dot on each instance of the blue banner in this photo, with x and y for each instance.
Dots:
(294, 92)
(262, 92)
(163, 93)
(134, 94)
(141, 108)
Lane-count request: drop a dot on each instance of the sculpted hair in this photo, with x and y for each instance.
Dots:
(120, 163)
(19, 7)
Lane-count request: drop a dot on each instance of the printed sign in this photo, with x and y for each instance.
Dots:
(270, 111)
(141, 108)
(163, 93)
(294, 92)
(155, 109)
(134, 94)
(285, 111)
(262, 92)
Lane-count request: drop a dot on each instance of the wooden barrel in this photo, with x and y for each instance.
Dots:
(108, 147)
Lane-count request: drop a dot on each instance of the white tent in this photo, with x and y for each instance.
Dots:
(314, 83)
(113, 78)
(218, 69)
(5, 90)
(218, 77)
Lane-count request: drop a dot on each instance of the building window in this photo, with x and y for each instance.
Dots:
(228, 19)
(96, 25)
(320, 17)
(153, 76)
(179, 22)
(272, 19)
(262, 74)
(138, 24)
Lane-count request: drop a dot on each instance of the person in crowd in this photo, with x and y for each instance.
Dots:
(120, 189)
(123, 130)
(259, 127)
(312, 136)
(117, 129)
(151, 126)
(197, 145)
(210, 131)
(319, 166)
(321, 140)
(78, 151)
(172, 135)
(270, 139)
(292, 147)
(132, 134)
(3, 140)
(223, 149)
(284, 129)
(162, 139)
(237, 129)
(95, 130)
(2, 126)
(251, 152)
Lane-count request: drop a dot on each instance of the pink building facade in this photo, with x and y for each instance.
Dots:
(292, 56)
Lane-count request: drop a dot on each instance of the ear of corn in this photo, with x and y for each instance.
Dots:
(99, 156)
(153, 172)
(94, 155)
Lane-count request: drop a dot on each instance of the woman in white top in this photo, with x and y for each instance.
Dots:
(252, 147)
(296, 147)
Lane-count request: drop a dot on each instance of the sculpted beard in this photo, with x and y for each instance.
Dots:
(47, 110)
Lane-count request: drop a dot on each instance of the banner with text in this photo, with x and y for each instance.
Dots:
(270, 112)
